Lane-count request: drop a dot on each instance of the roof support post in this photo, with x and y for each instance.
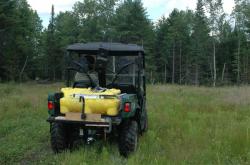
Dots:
(101, 63)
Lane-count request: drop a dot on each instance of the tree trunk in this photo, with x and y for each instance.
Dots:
(165, 73)
(211, 69)
(151, 77)
(238, 63)
(186, 78)
(54, 74)
(21, 73)
(214, 62)
(196, 74)
(173, 67)
(180, 62)
(247, 69)
(223, 72)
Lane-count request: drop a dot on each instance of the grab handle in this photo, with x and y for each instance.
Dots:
(83, 115)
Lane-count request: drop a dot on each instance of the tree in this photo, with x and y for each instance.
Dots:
(224, 51)
(21, 31)
(7, 10)
(241, 57)
(132, 25)
(200, 37)
(247, 13)
(94, 19)
(171, 45)
(52, 57)
(66, 28)
(216, 19)
(160, 60)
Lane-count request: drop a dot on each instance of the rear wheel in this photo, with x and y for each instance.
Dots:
(128, 137)
(59, 141)
(63, 137)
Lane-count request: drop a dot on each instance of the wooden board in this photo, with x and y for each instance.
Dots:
(89, 117)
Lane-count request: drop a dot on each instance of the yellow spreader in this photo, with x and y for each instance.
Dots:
(105, 102)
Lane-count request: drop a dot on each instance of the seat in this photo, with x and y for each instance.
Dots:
(125, 88)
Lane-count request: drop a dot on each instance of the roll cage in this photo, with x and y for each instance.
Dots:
(103, 52)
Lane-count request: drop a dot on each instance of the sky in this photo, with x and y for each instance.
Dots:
(155, 8)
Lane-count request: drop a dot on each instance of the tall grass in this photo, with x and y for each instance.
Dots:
(187, 125)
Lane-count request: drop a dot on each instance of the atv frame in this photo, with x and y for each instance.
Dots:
(132, 118)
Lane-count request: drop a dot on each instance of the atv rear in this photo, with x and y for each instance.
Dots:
(114, 106)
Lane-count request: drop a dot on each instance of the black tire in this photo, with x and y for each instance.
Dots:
(128, 137)
(144, 126)
(59, 141)
(73, 137)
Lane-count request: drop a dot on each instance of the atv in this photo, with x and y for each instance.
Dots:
(105, 97)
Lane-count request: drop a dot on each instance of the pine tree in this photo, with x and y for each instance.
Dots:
(20, 28)
(241, 57)
(200, 37)
(216, 19)
(7, 10)
(132, 25)
(51, 45)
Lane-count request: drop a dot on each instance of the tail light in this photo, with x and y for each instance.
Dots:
(50, 105)
(127, 107)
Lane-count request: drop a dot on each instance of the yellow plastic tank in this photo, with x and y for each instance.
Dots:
(96, 102)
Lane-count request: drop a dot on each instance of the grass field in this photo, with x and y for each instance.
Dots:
(188, 125)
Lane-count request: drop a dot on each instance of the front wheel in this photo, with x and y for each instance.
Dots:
(128, 137)
(144, 121)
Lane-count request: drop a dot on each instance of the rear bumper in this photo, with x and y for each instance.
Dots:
(106, 122)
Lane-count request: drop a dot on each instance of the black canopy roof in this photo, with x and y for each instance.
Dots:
(112, 49)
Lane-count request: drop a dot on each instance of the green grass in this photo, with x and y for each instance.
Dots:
(187, 125)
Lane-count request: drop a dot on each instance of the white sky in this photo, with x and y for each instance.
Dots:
(155, 8)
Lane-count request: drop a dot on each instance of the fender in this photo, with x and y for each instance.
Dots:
(132, 99)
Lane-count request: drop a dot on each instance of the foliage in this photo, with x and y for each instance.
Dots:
(20, 37)
(201, 47)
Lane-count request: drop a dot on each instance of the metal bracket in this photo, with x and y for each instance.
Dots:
(109, 129)
(83, 115)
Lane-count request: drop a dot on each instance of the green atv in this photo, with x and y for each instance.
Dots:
(105, 97)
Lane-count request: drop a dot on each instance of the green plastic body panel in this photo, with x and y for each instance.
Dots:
(132, 99)
(51, 97)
